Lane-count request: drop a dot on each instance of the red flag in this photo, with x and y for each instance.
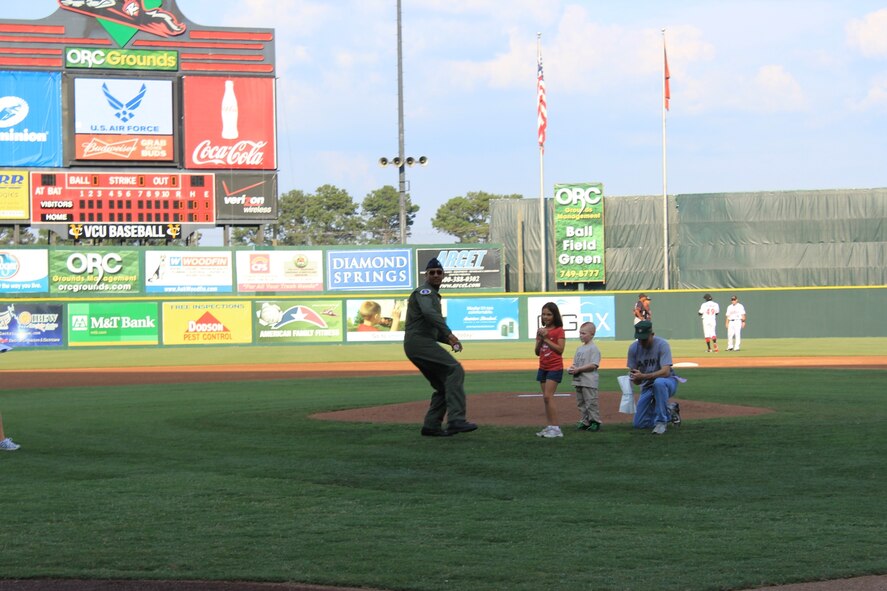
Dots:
(667, 77)
(542, 107)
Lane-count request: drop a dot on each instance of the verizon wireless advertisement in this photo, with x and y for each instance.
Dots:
(230, 123)
(246, 197)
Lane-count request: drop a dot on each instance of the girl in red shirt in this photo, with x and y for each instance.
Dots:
(550, 341)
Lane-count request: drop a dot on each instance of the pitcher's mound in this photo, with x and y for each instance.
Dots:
(511, 408)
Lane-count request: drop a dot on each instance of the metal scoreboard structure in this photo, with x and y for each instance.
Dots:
(124, 119)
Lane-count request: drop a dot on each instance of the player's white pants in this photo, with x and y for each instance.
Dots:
(734, 330)
(709, 329)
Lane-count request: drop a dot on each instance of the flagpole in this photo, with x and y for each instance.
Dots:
(666, 92)
(542, 112)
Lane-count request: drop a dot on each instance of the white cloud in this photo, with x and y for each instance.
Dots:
(869, 34)
(876, 98)
(774, 90)
(581, 56)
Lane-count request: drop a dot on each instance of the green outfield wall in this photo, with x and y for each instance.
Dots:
(772, 313)
(312, 319)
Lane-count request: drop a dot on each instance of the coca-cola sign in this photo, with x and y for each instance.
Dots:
(243, 154)
(230, 123)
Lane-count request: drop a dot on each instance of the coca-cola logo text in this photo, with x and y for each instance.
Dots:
(243, 153)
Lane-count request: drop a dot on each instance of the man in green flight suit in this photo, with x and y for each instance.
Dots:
(425, 328)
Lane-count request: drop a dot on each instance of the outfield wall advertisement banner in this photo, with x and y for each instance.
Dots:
(375, 320)
(30, 119)
(203, 271)
(14, 196)
(207, 323)
(484, 318)
(575, 311)
(579, 233)
(117, 323)
(24, 271)
(369, 270)
(289, 322)
(279, 270)
(27, 324)
(477, 268)
(91, 272)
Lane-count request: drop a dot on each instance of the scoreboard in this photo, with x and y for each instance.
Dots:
(122, 198)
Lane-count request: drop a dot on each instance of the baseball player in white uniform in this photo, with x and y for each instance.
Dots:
(735, 323)
(708, 311)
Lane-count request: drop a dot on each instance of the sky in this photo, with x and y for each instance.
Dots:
(765, 94)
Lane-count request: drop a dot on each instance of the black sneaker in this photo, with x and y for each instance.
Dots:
(674, 413)
(461, 427)
(427, 432)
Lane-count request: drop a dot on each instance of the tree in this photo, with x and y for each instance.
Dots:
(467, 218)
(381, 211)
(7, 235)
(327, 217)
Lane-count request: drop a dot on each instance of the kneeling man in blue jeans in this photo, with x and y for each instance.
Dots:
(649, 364)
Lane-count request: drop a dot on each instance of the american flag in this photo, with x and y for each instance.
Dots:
(542, 110)
(667, 78)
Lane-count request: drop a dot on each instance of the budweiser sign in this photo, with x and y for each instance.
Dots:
(124, 148)
(96, 148)
(245, 154)
(230, 123)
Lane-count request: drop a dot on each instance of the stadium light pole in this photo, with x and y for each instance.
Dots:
(402, 185)
(400, 161)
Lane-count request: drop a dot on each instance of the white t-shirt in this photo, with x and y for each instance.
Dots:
(735, 311)
(709, 311)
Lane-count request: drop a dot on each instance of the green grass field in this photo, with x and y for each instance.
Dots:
(234, 481)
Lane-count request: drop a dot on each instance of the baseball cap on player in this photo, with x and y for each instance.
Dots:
(433, 264)
(707, 297)
(643, 329)
(643, 296)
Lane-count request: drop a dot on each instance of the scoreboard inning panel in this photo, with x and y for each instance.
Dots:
(122, 198)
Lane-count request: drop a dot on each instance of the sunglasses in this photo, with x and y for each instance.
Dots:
(435, 271)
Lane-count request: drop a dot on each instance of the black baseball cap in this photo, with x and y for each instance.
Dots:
(643, 329)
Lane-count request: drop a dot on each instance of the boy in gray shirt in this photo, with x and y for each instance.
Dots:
(585, 379)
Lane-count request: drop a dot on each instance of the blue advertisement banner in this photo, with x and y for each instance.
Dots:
(25, 324)
(575, 311)
(369, 270)
(30, 119)
(24, 271)
(483, 318)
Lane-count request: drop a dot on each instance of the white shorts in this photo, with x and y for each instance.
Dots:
(708, 329)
